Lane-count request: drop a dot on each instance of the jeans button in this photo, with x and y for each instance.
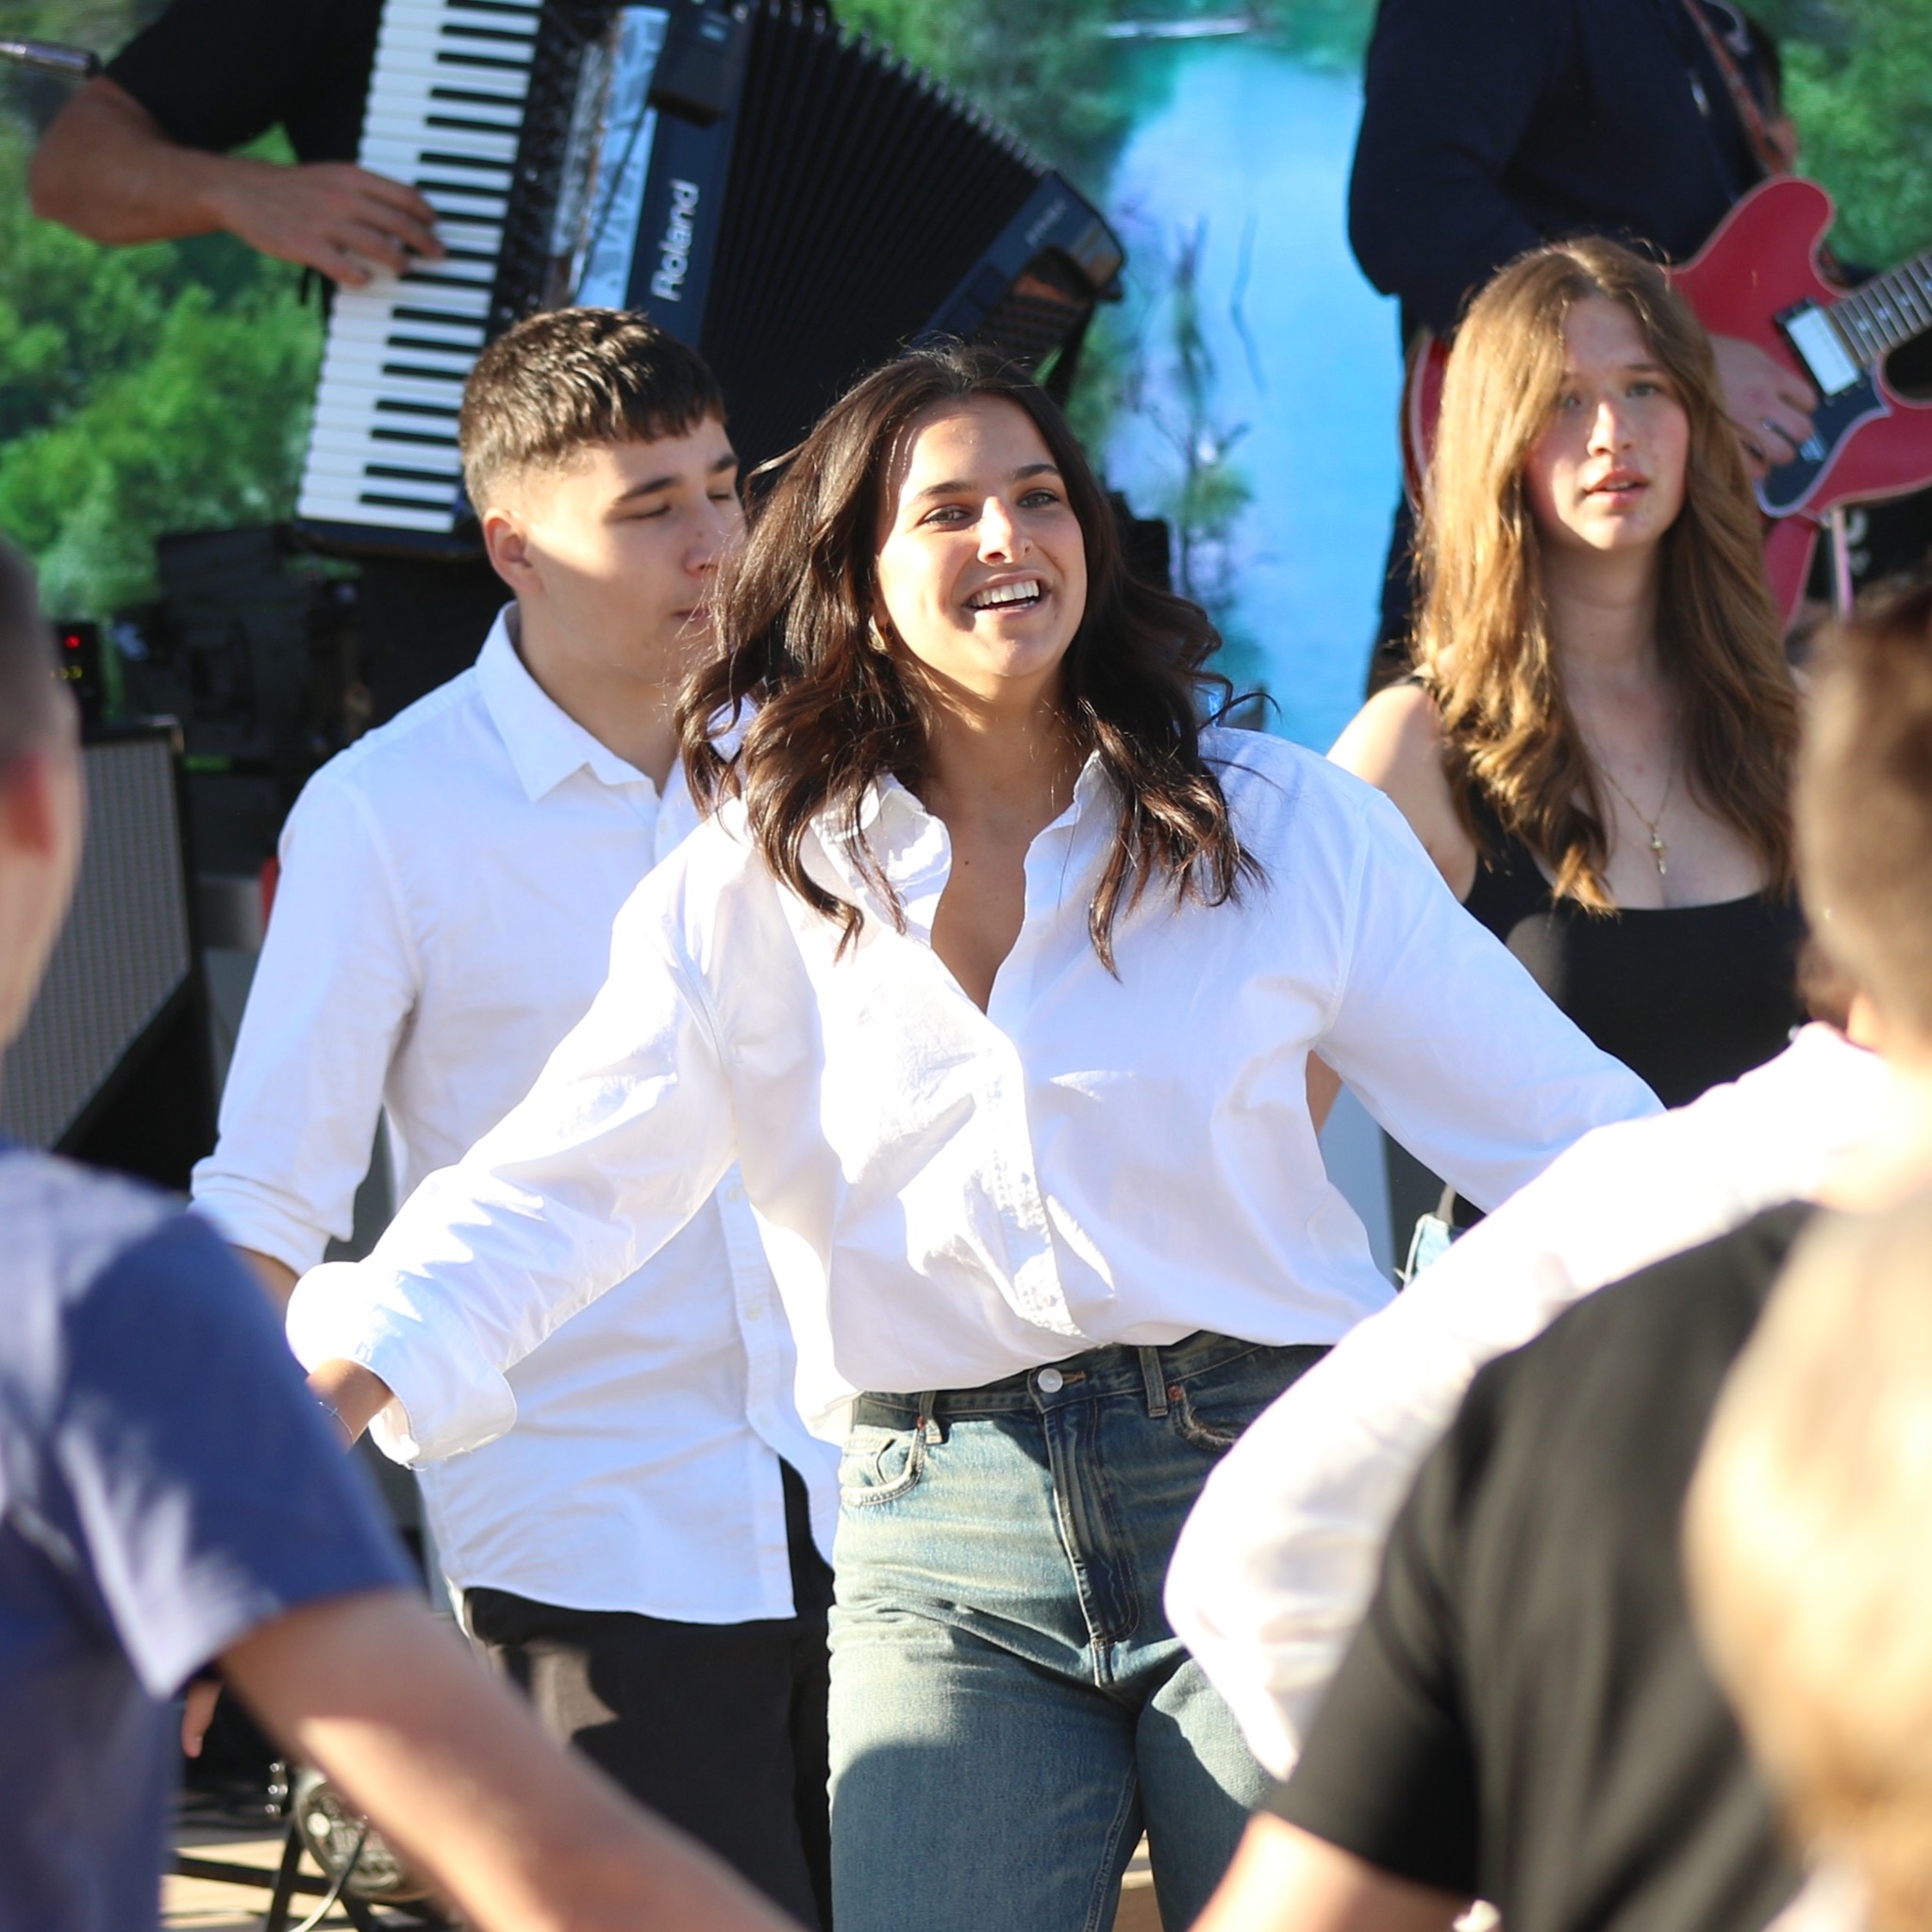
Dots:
(1050, 1381)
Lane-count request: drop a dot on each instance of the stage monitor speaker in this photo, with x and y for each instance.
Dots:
(113, 1064)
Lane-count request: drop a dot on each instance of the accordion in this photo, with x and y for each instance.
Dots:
(791, 200)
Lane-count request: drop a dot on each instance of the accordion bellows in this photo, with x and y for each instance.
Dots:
(860, 197)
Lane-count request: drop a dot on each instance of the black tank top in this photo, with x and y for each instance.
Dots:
(1685, 996)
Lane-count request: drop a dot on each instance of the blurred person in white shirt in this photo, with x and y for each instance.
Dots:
(1278, 1561)
(638, 1550)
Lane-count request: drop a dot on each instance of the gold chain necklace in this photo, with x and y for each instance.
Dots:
(1659, 845)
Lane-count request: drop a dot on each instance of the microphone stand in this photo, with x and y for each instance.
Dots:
(52, 57)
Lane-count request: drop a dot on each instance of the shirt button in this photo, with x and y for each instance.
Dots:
(734, 1192)
(1050, 1381)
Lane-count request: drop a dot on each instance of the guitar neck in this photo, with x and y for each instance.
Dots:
(1888, 312)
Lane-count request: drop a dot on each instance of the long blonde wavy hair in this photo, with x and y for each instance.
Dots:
(1483, 643)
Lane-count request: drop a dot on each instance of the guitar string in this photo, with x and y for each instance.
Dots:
(1883, 307)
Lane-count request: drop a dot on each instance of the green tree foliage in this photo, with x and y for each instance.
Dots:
(102, 25)
(205, 429)
(1861, 95)
(70, 314)
(141, 390)
(1330, 33)
(1044, 68)
(1047, 68)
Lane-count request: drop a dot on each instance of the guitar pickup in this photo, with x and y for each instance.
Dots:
(1820, 347)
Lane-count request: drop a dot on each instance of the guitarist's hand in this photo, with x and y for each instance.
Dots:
(1769, 406)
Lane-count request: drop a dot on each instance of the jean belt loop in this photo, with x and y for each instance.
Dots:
(928, 1404)
(1155, 1378)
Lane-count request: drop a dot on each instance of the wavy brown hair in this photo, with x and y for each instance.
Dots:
(828, 714)
(1483, 644)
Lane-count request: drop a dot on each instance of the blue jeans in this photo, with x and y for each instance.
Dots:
(1009, 1710)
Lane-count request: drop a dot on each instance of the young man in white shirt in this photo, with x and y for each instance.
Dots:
(635, 1546)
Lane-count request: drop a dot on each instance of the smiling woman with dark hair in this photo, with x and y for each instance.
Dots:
(838, 704)
(997, 972)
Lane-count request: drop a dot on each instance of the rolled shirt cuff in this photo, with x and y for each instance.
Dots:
(250, 1217)
(449, 1396)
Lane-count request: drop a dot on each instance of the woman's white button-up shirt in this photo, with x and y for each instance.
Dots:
(948, 1196)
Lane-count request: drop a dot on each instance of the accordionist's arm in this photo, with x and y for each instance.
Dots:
(110, 171)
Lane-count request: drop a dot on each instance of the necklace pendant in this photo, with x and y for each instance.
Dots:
(1657, 849)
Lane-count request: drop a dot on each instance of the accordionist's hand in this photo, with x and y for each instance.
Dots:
(327, 215)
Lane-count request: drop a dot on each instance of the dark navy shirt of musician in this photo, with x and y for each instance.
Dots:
(216, 74)
(1489, 125)
(166, 1485)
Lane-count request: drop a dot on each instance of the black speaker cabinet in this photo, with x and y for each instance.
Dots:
(113, 1065)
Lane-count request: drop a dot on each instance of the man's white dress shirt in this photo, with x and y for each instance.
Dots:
(949, 1195)
(443, 918)
(1279, 1559)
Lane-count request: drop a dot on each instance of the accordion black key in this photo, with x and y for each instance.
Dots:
(792, 200)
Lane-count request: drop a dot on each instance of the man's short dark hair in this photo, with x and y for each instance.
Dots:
(1864, 806)
(572, 380)
(30, 696)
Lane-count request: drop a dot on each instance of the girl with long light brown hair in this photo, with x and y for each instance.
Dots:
(1595, 748)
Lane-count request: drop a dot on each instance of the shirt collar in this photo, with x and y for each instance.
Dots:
(545, 744)
(915, 854)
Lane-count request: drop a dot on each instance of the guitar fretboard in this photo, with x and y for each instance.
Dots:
(1888, 312)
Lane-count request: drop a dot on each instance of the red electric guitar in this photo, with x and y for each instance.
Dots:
(1760, 277)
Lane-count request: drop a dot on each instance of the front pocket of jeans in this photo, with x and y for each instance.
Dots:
(1213, 1412)
(881, 1465)
(1215, 1433)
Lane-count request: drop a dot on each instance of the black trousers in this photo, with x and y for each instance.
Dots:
(719, 1727)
